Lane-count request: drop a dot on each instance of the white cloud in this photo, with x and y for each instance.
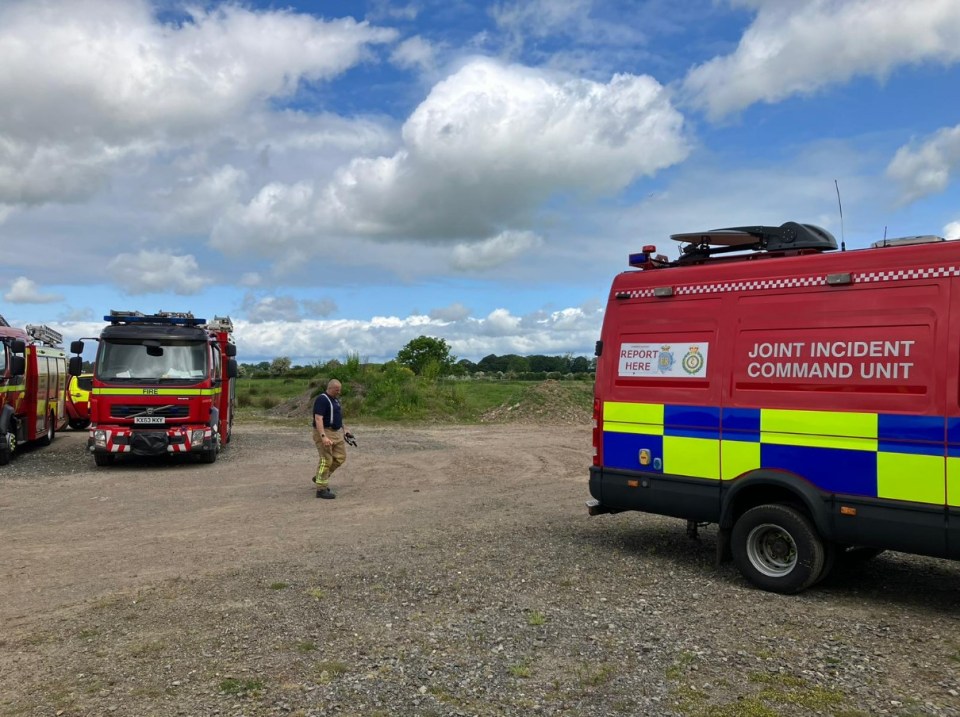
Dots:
(926, 168)
(414, 53)
(484, 149)
(26, 291)
(380, 338)
(952, 230)
(89, 83)
(156, 272)
(494, 251)
(318, 308)
(800, 46)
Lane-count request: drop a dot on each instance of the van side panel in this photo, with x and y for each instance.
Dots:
(661, 418)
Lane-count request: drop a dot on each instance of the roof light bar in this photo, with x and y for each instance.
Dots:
(169, 318)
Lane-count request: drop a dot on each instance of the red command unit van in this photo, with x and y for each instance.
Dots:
(806, 400)
(33, 380)
(163, 384)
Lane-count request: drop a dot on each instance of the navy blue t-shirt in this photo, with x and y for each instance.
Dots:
(329, 408)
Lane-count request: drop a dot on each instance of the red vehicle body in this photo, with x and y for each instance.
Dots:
(805, 400)
(163, 384)
(33, 379)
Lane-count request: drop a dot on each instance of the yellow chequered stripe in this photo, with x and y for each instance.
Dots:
(905, 476)
(618, 412)
(696, 457)
(738, 457)
(819, 429)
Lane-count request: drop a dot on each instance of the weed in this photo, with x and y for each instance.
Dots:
(330, 669)
(521, 670)
(278, 586)
(316, 593)
(595, 676)
(147, 649)
(536, 618)
(676, 670)
(776, 678)
(88, 633)
(306, 646)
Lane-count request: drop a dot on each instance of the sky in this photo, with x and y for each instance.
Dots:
(340, 177)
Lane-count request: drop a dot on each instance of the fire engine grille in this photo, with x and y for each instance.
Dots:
(121, 410)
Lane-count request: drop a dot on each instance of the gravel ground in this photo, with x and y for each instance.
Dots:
(457, 573)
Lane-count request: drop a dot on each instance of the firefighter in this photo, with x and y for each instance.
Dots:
(330, 436)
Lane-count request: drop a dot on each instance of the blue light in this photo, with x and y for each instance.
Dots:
(639, 260)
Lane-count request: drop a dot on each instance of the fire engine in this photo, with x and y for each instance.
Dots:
(806, 400)
(33, 379)
(163, 384)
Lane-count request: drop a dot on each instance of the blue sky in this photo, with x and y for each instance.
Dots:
(341, 177)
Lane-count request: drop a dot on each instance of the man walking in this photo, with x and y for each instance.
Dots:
(328, 435)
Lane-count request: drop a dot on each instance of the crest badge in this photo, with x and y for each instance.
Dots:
(693, 362)
(665, 361)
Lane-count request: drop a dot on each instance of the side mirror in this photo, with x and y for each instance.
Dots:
(18, 346)
(76, 347)
(231, 350)
(18, 365)
(232, 371)
(76, 363)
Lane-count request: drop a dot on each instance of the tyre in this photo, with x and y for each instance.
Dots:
(8, 447)
(51, 431)
(79, 424)
(211, 455)
(777, 548)
(104, 459)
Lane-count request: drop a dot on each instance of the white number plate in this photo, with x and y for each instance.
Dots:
(150, 419)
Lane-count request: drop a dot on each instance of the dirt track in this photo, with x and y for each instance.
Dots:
(69, 538)
(457, 573)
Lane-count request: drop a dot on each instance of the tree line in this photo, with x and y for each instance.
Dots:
(430, 357)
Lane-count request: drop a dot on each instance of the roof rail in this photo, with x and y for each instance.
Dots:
(788, 237)
(907, 241)
(44, 334)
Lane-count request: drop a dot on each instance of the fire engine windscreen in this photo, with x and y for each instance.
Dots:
(131, 360)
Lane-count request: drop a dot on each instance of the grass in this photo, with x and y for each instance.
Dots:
(536, 618)
(388, 393)
(278, 586)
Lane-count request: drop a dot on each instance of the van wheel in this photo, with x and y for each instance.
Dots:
(104, 459)
(48, 437)
(776, 548)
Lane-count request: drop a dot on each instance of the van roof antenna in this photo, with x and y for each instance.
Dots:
(843, 243)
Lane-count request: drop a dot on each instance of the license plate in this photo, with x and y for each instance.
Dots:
(150, 419)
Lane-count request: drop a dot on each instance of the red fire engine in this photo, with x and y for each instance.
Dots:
(806, 400)
(33, 380)
(163, 384)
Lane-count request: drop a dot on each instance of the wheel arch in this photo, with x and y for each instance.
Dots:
(769, 486)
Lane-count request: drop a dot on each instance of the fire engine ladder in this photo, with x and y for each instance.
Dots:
(3, 321)
(221, 323)
(44, 334)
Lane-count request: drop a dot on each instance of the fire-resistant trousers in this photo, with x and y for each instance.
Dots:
(331, 457)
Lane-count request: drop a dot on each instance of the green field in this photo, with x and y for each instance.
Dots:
(374, 395)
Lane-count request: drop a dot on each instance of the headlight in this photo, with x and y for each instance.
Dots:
(100, 438)
(196, 437)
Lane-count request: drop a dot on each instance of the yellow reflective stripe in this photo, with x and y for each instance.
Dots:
(953, 481)
(643, 428)
(906, 476)
(738, 457)
(154, 391)
(819, 429)
(619, 412)
(11, 389)
(819, 423)
(695, 457)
